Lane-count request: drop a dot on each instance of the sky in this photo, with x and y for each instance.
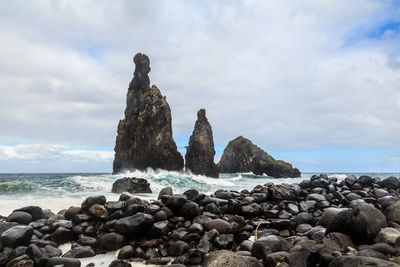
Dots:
(315, 83)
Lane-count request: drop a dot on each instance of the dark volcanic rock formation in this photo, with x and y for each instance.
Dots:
(241, 155)
(200, 153)
(145, 134)
(131, 185)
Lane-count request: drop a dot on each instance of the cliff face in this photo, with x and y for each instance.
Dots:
(200, 153)
(145, 134)
(241, 155)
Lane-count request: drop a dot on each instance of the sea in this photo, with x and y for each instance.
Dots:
(57, 191)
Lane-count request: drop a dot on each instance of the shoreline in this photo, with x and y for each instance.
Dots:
(294, 224)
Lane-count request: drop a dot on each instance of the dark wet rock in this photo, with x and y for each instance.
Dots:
(134, 224)
(393, 212)
(174, 202)
(328, 215)
(20, 217)
(220, 225)
(131, 185)
(113, 206)
(37, 254)
(71, 212)
(298, 257)
(60, 261)
(356, 261)
(90, 201)
(161, 228)
(361, 223)
(98, 211)
(283, 191)
(190, 210)
(365, 180)
(21, 261)
(165, 191)
(191, 193)
(388, 235)
(16, 252)
(17, 236)
(62, 235)
(274, 259)
(145, 134)
(337, 242)
(126, 252)
(4, 226)
(224, 241)
(303, 218)
(251, 210)
(391, 183)
(371, 253)
(223, 258)
(35, 211)
(52, 251)
(308, 206)
(86, 240)
(199, 158)
(264, 246)
(80, 252)
(178, 248)
(241, 155)
(111, 241)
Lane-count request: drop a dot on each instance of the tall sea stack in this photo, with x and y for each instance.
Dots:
(199, 157)
(145, 134)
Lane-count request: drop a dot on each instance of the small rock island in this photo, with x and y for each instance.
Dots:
(145, 134)
(241, 155)
(199, 158)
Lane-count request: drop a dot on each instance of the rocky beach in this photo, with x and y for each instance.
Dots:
(321, 221)
(318, 222)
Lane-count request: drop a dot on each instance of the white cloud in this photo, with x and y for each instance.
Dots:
(290, 75)
(56, 158)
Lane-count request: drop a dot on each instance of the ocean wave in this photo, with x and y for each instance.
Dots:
(14, 187)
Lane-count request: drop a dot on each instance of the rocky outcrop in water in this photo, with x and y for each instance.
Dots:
(145, 134)
(241, 155)
(131, 185)
(199, 158)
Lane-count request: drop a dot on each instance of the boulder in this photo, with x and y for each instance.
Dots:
(328, 215)
(362, 223)
(388, 235)
(17, 236)
(111, 241)
(199, 157)
(391, 182)
(90, 201)
(98, 211)
(393, 212)
(35, 211)
(134, 224)
(20, 217)
(223, 258)
(241, 155)
(145, 134)
(131, 185)
(220, 225)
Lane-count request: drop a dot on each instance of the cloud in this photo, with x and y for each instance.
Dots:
(55, 158)
(290, 75)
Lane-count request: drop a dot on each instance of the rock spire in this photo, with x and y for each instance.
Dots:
(145, 134)
(200, 152)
